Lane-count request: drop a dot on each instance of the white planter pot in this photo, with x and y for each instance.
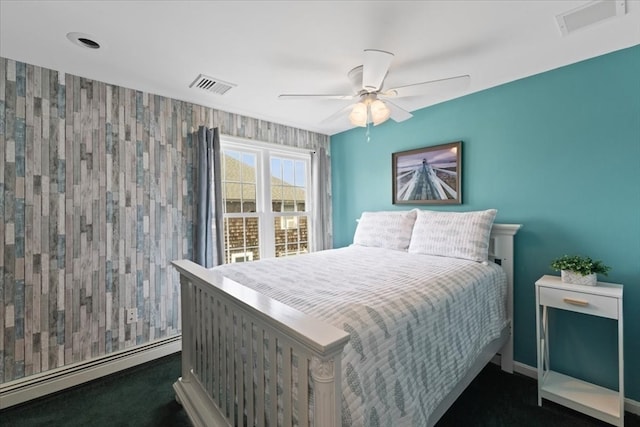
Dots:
(578, 279)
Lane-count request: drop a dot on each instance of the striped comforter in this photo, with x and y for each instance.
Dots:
(417, 322)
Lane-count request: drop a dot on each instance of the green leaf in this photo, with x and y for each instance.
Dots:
(580, 264)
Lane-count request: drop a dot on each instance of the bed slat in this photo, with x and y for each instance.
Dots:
(260, 397)
(249, 369)
(273, 384)
(303, 381)
(230, 370)
(286, 367)
(215, 332)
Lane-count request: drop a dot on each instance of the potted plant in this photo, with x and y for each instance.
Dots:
(579, 270)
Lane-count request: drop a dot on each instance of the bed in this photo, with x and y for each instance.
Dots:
(388, 331)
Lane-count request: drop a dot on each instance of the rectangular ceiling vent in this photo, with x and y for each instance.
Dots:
(211, 84)
(590, 14)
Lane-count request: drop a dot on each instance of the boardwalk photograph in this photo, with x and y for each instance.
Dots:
(428, 175)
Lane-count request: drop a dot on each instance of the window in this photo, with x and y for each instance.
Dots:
(266, 194)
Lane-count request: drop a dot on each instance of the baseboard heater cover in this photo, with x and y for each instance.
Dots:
(38, 385)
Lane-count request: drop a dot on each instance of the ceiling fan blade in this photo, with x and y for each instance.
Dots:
(427, 88)
(317, 96)
(398, 114)
(342, 113)
(374, 69)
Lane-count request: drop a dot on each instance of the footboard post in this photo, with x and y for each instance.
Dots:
(327, 391)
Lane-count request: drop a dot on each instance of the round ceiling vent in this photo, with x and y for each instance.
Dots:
(84, 40)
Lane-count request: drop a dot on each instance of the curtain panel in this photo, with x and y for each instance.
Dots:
(208, 240)
(321, 212)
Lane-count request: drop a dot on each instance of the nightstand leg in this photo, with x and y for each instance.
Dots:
(545, 341)
(543, 350)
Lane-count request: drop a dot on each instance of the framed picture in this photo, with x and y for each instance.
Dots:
(429, 175)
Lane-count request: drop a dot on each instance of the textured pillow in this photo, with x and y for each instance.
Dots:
(453, 234)
(389, 230)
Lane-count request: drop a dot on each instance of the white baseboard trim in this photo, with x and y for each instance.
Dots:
(54, 380)
(630, 405)
(526, 370)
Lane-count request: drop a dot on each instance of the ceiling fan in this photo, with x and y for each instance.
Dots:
(374, 104)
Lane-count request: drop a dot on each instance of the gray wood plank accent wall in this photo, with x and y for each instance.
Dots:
(96, 198)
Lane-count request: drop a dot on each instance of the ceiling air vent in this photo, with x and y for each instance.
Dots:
(211, 84)
(590, 14)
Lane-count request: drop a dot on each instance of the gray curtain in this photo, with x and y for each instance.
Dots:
(209, 248)
(321, 203)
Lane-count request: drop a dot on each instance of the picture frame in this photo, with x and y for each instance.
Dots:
(429, 175)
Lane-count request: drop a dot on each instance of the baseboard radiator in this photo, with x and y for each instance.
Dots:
(38, 385)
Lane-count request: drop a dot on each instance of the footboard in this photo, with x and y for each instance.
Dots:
(248, 360)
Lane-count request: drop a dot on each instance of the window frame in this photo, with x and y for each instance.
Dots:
(264, 151)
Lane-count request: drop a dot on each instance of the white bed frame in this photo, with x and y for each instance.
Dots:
(217, 317)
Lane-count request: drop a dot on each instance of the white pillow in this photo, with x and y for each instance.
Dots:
(389, 230)
(453, 234)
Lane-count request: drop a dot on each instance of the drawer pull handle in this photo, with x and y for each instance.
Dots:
(573, 301)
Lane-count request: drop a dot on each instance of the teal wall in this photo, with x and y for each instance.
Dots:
(558, 152)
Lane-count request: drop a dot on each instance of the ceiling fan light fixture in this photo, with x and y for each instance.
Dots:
(369, 110)
(358, 115)
(379, 112)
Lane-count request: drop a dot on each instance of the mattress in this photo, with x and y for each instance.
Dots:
(417, 322)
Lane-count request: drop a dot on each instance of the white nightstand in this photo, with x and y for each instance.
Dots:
(604, 300)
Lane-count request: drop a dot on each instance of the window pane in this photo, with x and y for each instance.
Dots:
(276, 168)
(288, 185)
(248, 198)
(248, 169)
(301, 174)
(304, 231)
(287, 171)
(242, 241)
(231, 195)
(239, 181)
(290, 235)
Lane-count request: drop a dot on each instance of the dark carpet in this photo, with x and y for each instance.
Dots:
(143, 396)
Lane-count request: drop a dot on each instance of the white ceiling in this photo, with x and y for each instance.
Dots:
(273, 47)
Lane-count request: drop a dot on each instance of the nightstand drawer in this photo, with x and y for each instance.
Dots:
(597, 305)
